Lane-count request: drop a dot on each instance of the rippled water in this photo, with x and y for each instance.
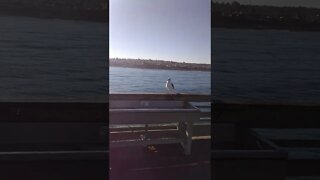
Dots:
(63, 59)
(52, 59)
(153, 81)
(266, 65)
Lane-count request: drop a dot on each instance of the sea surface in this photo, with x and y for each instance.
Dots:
(266, 65)
(52, 59)
(134, 80)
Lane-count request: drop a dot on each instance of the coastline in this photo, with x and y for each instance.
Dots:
(245, 16)
(57, 10)
(92, 16)
(158, 64)
(154, 68)
(223, 15)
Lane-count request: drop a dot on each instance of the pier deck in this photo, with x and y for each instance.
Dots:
(161, 160)
(166, 162)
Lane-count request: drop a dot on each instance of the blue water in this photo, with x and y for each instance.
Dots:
(52, 59)
(153, 81)
(63, 59)
(266, 65)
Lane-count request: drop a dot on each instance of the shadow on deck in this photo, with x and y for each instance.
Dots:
(169, 122)
(166, 162)
(53, 141)
(284, 137)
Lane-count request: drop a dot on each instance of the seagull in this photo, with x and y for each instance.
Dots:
(169, 85)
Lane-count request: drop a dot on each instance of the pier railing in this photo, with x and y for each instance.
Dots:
(142, 119)
(161, 118)
(161, 96)
(195, 98)
(202, 101)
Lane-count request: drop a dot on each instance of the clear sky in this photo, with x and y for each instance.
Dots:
(305, 3)
(173, 30)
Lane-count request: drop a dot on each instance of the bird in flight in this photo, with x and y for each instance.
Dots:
(169, 85)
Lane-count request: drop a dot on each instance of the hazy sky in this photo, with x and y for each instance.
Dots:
(175, 30)
(306, 3)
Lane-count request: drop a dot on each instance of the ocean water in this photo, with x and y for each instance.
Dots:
(42, 59)
(62, 59)
(153, 81)
(266, 65)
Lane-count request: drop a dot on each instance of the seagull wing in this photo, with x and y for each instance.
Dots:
(172, 85)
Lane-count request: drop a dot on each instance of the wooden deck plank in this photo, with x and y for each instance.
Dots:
(163, 96)
(153, 117)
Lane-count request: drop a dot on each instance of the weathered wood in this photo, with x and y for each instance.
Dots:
(188, 140)
(133, 109)
(152, 134)
(144, 116)
(159, 96)
(154, 137)
(147, 104)
(140, 128)
(126, 112)
(131, 142)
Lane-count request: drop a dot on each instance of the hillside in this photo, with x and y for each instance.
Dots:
(236, 15)
(90, 10)
(158, 64)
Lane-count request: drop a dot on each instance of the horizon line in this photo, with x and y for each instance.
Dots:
(158, 60)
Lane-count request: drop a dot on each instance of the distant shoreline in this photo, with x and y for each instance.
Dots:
(56, 10)
(241, 16)
(65, 15)
(159, 69)
(158, 64)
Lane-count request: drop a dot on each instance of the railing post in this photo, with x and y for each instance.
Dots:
(189, 132)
